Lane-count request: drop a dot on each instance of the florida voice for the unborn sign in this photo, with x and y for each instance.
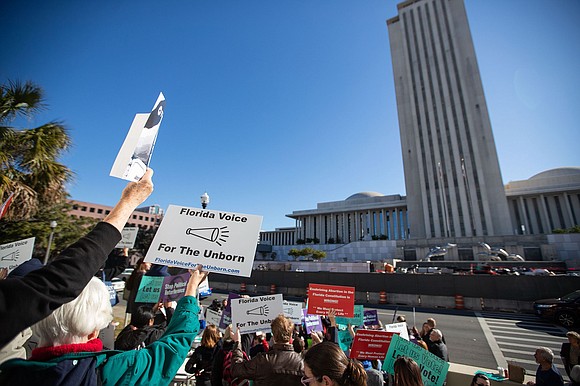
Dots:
(207, 253)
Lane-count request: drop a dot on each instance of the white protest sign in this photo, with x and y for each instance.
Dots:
(256, 313)
(400, 328)
(293, 311)
(222, 242)
(15, 253)
(135, 154)
(128, 237)
(213, 317)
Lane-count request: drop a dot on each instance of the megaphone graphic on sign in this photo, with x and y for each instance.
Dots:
(11, 256)
(215, 235)
(289, 311)
(262, 311)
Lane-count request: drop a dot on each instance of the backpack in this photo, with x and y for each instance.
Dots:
(227, 378)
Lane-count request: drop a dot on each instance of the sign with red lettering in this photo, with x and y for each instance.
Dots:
(323, 297)
(371, 344)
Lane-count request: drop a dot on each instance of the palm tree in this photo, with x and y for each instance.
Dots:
(28, 157)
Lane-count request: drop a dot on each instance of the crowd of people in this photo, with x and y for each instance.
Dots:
(59, 340)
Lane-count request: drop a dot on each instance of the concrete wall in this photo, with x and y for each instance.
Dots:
(426, 290)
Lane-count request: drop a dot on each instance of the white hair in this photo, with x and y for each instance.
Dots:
(546, 353)
(436, 334)
(74, 321)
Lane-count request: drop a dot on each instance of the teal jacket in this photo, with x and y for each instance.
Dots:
(155, 364)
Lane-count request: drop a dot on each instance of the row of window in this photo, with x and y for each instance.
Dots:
(107, 211)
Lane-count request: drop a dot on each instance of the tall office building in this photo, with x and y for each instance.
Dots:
(452, 176)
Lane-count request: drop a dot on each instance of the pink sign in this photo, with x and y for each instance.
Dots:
(322, 298)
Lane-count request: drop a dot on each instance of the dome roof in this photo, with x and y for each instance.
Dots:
(559, 172)
(365, 195)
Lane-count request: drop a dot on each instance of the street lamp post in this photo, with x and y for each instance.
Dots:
(204, 200)
(53, 225)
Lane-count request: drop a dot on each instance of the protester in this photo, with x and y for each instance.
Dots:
(201, 361)
(407, 372)
(437, 346)
(68, 352)
(547, 374)
(298, 344)
(326, 364)
(258, 344)
(142, 331)
(480, 380)
(374, 376)
(224, 347)
(132, 284)
(570, 351)
(63, 279)
(280, 366)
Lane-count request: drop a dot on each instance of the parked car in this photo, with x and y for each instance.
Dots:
(564, 310)
(126, 273)
(118, 284)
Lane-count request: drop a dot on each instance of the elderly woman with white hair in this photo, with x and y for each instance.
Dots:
(69, 352)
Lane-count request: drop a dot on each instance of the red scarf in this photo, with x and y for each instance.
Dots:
(46, 353)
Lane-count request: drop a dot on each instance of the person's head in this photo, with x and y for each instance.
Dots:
(435, 335)
(573, 338)
(407, 372)
(431, 322)
(479, 380)
(401, 319)
(79, 320)
(142, 317)
(298, 344)
(544, 355)
(210, 337)
(425, 328)
(282, 328)
(575, 374)
(326, 364)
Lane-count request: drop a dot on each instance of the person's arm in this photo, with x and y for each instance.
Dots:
(160, 361)
(30, 299)
(242, 368)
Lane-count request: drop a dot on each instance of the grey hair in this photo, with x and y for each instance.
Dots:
(438, 333)
(74, 321)
(546, 354)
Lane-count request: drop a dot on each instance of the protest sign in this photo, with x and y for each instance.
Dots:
(293, 311)
(370, 344)
(227, 312)
(400, 328)
(149, 289)
(322, 298)
(371, 318)
(15, 253)
(128, 237)
(222, 242)
(256, 313)
(213, 317)
(344, 339)
(312, 322)
(356, 320)
(433, 369)
(133, 158)
(174, 287)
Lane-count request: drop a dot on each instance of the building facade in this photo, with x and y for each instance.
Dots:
(547, 201)
(148, 217)
(452, 174)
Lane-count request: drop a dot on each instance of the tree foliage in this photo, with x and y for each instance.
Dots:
(307, 252)
(29, 165)
(68, 230)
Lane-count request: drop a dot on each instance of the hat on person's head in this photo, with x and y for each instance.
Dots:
(25, 268)
(401, 318)
(158, 270)
(367, 364)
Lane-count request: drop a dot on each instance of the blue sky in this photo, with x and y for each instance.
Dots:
(274, 106)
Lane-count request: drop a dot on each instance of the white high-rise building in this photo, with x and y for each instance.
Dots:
(452, 176)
